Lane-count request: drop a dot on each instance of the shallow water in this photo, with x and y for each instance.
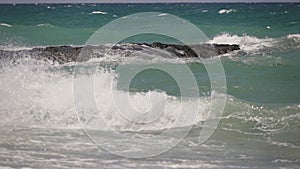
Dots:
(53, 148)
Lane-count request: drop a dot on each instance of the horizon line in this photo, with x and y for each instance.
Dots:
(32, 3)
(140, 1)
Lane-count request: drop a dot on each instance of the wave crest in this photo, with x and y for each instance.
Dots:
(252, 44)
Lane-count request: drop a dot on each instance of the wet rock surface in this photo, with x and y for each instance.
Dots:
(65, 54)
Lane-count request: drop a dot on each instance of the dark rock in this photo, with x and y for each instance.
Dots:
(64, 54)
(223, 48)
(204, 50)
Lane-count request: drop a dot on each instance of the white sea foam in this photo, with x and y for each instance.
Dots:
(255, 45)
(6, 25)
(226, 11)
(294, 36)
(44, 25)
(246, 42)
(163, 14)
(99, 12)
(15, 48)
(38, 95)
(285, 161)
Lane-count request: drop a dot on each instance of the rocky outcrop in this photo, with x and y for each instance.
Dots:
(204, 50)
(64, 54)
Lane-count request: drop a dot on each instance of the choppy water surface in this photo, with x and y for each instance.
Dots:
(258, 129)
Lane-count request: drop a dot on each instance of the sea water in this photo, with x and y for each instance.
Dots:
(259, 127)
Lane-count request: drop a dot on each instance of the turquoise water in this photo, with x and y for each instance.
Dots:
(54, 24)
(259, 127)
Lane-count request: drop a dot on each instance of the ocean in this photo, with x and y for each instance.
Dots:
(151, 109)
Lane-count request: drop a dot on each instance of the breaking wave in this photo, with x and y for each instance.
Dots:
(40, 94)
(252, 44)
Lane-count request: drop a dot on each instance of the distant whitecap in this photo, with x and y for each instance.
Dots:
(99, 12)
(5, 24)
(68, 6)
(226, 11)
(49, 7)
(44, 25)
